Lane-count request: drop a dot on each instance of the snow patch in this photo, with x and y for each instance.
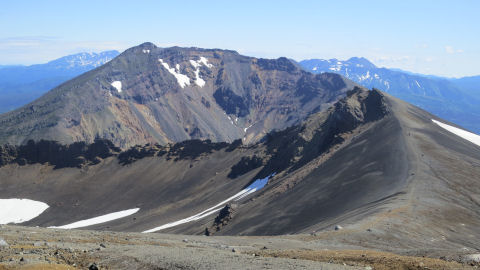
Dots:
(257, 185)
(314, 69)
(471, 137)
(366, 76)
(204, 61)
(117, 85)
(145, 51)
(197, 64)
(20, 210)
(229, 118)
(182, 79)
(99, 219)
(418, 84)
(387, 84)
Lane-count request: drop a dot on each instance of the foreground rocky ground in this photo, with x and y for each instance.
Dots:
(40, 248)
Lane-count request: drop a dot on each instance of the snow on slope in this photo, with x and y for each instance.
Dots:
(20, 210)
(99, 219)
(474, 138)
(117, 85)
(257, 185)
(196, 64)
(182, 79)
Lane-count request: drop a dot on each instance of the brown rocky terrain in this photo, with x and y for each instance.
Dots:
(48, 249)
(166, 95)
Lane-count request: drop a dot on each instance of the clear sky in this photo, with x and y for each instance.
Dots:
(431, 37)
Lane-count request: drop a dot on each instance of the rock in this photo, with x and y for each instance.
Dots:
(3, 243)
(185, 240)
(22, 259)
(233, 250)
(338, 227)
(472, 258)
(93, 267)
(102, 245)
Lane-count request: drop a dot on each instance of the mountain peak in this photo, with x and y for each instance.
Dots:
(83, 59)
(162, 95)
(361, 61)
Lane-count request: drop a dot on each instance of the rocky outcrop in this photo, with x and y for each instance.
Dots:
(245, 165)
(74, 155)
(293, 147)
(226, 214)
(190, 149)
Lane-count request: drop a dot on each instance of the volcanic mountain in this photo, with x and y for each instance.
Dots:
(165, 95)
(384, 170)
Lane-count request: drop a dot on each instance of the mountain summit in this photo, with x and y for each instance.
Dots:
(162, 95)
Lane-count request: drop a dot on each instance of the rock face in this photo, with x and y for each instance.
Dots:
(74, 155)
(224, 216)
(168, 95)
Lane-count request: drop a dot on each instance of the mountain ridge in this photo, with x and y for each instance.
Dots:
(149, 94)
(20, 85)
(441, 96)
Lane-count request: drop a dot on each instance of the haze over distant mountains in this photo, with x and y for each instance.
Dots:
(20, 85)
(457, 100)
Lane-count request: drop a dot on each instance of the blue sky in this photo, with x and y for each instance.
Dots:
(431, 37)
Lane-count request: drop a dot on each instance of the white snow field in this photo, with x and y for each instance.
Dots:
(182, 79)
(257, 185)
(474, 138)
(98, 220)
(117, 85)
(20, 210)
(196, 64)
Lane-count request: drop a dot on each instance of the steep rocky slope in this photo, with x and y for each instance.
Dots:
(162, 95)
(373, 164)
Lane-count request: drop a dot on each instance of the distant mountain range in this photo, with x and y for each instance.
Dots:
(470, 85)
(457, 100)
(20, 85)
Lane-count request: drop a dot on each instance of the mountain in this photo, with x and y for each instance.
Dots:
(470, 85)
(20, 85)
(166, 95)
(440, 96)
(371, 164)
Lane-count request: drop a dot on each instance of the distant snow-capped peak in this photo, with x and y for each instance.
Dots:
(84, 59)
